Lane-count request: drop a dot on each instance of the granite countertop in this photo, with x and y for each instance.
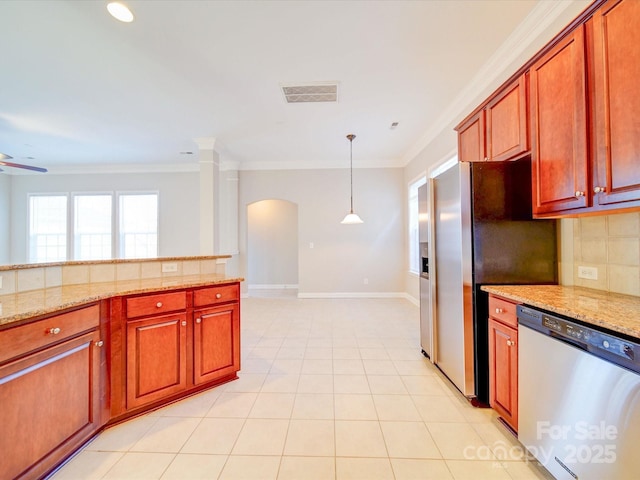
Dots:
(613, 311)
(25, 305)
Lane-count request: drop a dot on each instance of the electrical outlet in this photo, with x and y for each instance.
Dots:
(588, 273)
(0, 281)
(310, 244)
(366, 281)
(169, 267)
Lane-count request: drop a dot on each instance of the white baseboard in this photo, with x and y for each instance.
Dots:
(404, 295)
(270, 286)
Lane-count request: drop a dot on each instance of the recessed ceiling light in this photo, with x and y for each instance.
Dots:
(120, 12)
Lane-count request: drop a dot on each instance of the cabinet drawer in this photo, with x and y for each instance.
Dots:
(503, 310)
(33, 336)
(214, 295)
(156, 304)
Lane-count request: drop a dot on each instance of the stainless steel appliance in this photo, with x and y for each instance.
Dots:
(484, 234)
(426, 322)
(579, 398)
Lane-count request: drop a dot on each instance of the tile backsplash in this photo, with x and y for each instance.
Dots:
(24, 278)
(611, 244)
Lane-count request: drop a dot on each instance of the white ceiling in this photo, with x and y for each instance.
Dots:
(79, 88)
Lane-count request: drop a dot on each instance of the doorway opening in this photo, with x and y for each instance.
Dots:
(272, 248)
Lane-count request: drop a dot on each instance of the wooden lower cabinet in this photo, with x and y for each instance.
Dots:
(172, 355)
(49, 405)
(216, 343)
(503, 371)
(503, 359)
(156, 358)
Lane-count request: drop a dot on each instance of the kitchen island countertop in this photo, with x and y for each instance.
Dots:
(23, 306)
(613, 311)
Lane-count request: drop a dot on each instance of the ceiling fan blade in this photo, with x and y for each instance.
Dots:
(26, 167)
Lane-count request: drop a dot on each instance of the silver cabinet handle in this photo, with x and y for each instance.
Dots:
(184, 323)
(218, 295)
(55, 331)
(198, 320)
(579, 194)
(599, 189)
(499, 310)
(159, 304)
(99, 343)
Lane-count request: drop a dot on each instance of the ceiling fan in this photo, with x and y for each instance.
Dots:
(3, 162)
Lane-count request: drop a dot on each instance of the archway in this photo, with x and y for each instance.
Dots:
(272, 248)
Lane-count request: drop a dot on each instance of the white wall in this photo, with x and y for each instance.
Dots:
(5, 209)
(178, 210)
(272, 243)
(343, 255)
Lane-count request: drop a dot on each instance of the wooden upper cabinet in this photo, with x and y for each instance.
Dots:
(471, 146)
(616, 54)
(559, 127)
(498, 131)
(506, 122)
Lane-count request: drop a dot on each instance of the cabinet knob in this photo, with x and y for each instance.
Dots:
(198, 320)
(99, 343)
(55, 331)
(599, 189)
(218, 295)
(499, 310)
(159, 304)
(510, 343)
(184, 323)
(579, 194)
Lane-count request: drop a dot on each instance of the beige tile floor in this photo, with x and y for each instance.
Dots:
(329, 389)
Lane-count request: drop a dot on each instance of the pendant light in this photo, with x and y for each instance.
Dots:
(351, 218)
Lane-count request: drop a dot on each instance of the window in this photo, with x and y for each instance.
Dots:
(47, 228)
(92, 227)
(94, 232)
(138, 225)
(414, 239)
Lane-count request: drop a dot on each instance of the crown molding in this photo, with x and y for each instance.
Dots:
(529, 32)
(118, 168)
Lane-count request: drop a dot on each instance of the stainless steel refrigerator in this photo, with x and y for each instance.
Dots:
(483, 234)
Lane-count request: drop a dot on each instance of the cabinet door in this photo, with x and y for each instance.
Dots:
(503, 371)
(471, 146)
(559, 128)
(156, 358)
(506, 118)
(50, 405)
(216, 347)
(617, 102)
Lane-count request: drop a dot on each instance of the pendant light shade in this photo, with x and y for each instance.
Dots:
(351, 218)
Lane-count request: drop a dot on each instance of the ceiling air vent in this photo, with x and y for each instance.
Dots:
(311, 93)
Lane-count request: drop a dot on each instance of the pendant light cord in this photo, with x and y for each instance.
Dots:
(351, 137)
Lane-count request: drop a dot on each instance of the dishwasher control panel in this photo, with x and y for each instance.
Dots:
(619, 350)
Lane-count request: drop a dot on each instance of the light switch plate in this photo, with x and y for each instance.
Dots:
(588, 273)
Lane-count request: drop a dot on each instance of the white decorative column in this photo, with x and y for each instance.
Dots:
(209, 205)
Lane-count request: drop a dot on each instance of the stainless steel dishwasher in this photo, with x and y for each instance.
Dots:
(579, 398)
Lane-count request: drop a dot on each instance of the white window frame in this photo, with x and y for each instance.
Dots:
(413, 228)
(72, 218)
(116, 249)
(29, 215)
(119, 248)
